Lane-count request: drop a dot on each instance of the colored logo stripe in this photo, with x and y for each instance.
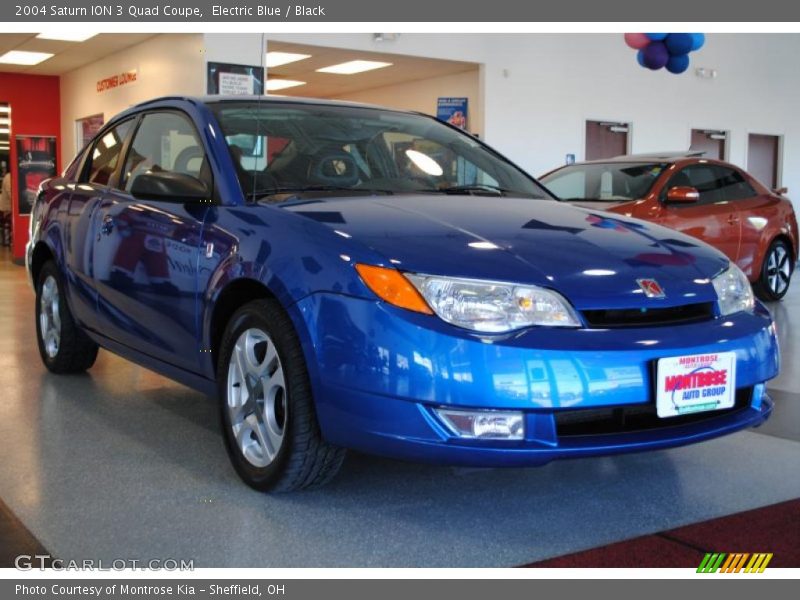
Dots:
(734, 563)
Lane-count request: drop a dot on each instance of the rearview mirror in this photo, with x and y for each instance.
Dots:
(683, 194)
(169, 184)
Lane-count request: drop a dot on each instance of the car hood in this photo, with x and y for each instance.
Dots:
(590, 256)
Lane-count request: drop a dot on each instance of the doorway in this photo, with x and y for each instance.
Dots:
(6, 199)
(606, 139)
(712, 142)
(763, 158)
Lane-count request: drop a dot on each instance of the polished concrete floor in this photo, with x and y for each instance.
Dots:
(121, 463)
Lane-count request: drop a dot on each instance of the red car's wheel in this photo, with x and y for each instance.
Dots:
(776, 272)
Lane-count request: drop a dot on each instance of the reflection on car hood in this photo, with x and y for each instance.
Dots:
(590, 256)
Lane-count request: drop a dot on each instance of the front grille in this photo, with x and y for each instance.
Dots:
(637, 417)
(638, 317)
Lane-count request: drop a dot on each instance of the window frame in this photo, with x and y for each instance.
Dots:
(86, 157)
(668, 186)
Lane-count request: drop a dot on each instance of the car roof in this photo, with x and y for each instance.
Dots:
(215, 99)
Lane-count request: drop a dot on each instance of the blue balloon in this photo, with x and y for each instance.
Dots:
(656, 37)
(640, 58)
(698, 39)
(678, 64)
(679, 43)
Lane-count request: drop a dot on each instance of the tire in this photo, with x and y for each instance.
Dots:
(267, 410)
(63, 345)
(776, 272)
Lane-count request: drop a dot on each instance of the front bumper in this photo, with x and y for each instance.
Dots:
(377, 373)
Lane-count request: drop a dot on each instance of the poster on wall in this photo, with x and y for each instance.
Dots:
(453, 111)
(36, 161)
(86, 129)
(234, 80)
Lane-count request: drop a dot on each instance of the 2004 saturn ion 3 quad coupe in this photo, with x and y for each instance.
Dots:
(345, 276)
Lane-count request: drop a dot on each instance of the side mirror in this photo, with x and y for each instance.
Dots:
(169, 184)
(683, 195)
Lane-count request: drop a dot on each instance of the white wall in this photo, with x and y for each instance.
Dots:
(166, 64)
(539, 89)
(422, 95)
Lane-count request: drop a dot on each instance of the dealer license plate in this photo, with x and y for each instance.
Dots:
(697, 383)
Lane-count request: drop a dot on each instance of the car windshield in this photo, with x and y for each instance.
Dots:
(604, 182)
(282, 149)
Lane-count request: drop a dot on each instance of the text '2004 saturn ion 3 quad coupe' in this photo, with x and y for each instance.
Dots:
(345, 276)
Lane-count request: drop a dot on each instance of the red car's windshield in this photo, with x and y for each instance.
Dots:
(604, 182)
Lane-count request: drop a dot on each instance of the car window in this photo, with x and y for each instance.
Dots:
(604, 182)
(105, 153)
(734, 185)
(705, 178)
(166, 141)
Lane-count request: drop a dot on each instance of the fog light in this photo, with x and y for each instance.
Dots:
(484, 424)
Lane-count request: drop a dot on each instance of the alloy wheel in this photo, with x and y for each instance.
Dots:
(50, 316)
(256, 397)
(779, 270)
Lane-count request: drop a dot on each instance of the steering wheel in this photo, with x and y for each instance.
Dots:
(333, 167)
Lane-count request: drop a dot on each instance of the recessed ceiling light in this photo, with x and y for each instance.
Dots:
(276, 59)
(281, 84)
(22, 57)
(66, 36)
(354, 66)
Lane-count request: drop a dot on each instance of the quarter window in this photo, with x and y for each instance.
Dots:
(734, 185)
(166, 141)
(106, 152)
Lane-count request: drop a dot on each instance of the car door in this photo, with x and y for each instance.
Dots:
(754, 211)
(712, 218)
(146, 247)
(91, 183)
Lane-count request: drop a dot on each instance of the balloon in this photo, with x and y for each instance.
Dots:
(678, 63)
(679, 43)
(640, 58)
(656, 37)
(655, 55)
(637, 41)
(698, 39)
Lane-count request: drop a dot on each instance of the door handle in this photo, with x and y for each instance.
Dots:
(733, 219)
(108, 225)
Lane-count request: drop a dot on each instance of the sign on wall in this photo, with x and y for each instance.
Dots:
(86, 129)
(36, 161)
(234, 80)
(117, 80)
(453, 111)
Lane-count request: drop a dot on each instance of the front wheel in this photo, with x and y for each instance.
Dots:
(776, 272)
(63, 346)
(267, 409)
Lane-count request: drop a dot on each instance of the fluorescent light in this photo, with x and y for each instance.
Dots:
(23, 57)
(354, 66)
(4, 130)
(4, 120)
(66, 36)
(5, 109)
(281, 84)
(276, 59)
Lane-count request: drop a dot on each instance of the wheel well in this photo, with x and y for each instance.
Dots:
(41, 254)
(234, 295)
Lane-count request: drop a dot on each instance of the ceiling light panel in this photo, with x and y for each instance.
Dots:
(354, 66)
(66, 36)
(281, 84)
(23, 57)
(277, 59)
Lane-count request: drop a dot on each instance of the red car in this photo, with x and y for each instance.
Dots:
(714, 201)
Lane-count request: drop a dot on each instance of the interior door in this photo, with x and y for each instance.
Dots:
(712, 219)
(762, 158)
(710, 141)
(146, 249)
(605, 139)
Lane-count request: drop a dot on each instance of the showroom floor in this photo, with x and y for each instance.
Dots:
(121, 463)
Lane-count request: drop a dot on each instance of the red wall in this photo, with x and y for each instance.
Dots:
(35, 110)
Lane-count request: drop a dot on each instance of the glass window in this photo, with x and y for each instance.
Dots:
(705, 178)
(166, 141)
(604, 182)
(733, 184)
(105, 153)
(293, 147)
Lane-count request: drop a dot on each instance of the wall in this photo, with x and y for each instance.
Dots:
(422, 95)
(166, 64)
(539, 89)
(34, 101)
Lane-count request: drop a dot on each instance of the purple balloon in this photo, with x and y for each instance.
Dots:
(655, 55)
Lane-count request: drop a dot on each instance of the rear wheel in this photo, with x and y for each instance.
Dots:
(776, 272)
(269, 422)
(63, 346)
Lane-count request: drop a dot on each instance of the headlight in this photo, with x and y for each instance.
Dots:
(491, 306)
(734, 293)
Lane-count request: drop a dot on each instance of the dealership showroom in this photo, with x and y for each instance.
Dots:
(123, 462)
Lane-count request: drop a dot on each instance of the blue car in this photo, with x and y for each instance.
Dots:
(347, 276)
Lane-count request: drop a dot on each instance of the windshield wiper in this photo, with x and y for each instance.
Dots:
(299, 189)
(470, 187)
